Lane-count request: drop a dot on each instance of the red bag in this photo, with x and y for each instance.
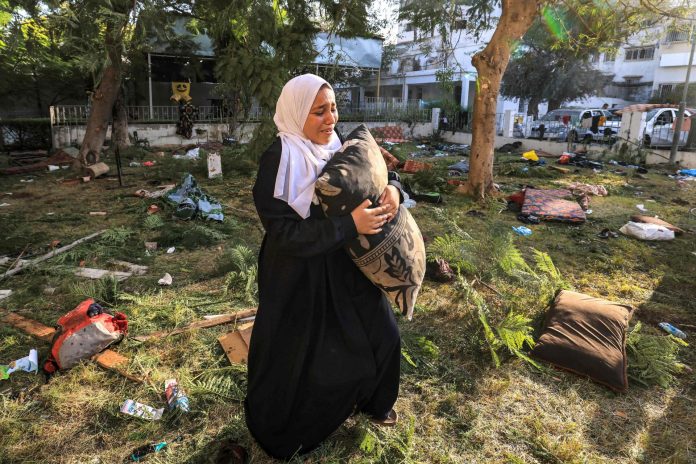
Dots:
(82, 333)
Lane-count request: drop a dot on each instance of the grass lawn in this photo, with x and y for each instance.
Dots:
(455, 405)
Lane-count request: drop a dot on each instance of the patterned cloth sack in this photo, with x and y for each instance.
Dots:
(393, 259)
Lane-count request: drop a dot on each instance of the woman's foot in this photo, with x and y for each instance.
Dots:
(389, 421)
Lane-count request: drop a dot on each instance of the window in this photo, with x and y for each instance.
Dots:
(641, 53)
(610, 57)
(676, 36)
(408, 27)
(416, 64)
(664, 90)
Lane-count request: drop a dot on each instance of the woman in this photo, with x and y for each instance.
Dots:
(325, 342)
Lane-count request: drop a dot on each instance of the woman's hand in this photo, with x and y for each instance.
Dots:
(368, 220)
(390, 198)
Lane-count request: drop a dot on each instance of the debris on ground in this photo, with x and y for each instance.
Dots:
(166, 279)
(176, 398)
(153, 209)
(191, 202)
(133, 408)
(530, 155)
(522, 230)
(645, 231)
(219, 320)
(60, 158)
(5, 294)
(144, 450)
(214, 166)
(670, 329)
(159, 192)
(577, 188)
(236, 343)
(29, 363)
(135, 269)
(459, 168)
(150, 246)
(92, 273)
(658, 221)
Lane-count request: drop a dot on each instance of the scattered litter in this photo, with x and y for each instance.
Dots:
(144, 450)
(150, 246)
(440, 154)
(588, 211)
(26, 180)
(165, 280)
(687, 172)
(133, 408)
(91, 273)
(4, 204)
(522, 230)
(214, 166)
(9, 193)
(236, 343)
(412, 167)
(644, 231)
(215, 321)
(176, 398)
(459, 168)
(136, 269)
(658, 221)
(190, 201)
(53, 167)
(160, 192)
(96, 170)
(29, 363)
(642, 208)
(134, 164)
(530, 155)
(152, 209)
(49, 290)
(527, 218)
(421, 146)
(409, 203)
(621, 414)
(5, 293)
(171, 250)
(148, 164)
(158, 154)
(607, 233)
(97, 213)
(670, 329)
(590, 189)
(191, 154)
(86, 179)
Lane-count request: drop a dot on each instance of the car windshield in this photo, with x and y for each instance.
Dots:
(557, 115)
(651, 114)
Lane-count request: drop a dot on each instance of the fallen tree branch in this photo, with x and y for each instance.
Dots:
(224, 319)
(50, 254)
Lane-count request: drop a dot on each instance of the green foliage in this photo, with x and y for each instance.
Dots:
(429, 180)
(105, 290)
(456, 250)
(222, 386)
(191, 235)
(153, 221)
(652, 359)
(116, 236)
(242, 270)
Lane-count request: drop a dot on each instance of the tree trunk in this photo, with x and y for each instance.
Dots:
(102, 100)
(119, 128)
(516, 18)
(554, 104)
(533, 108)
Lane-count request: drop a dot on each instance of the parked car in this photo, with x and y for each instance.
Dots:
(659, 127)
(567, 122)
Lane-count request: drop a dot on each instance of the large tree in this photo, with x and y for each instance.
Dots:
(540, 72)
(601, 23)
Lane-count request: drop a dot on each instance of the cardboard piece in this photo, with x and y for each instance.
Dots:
(214, 165)
(236, 343)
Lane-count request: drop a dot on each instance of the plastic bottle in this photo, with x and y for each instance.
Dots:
(176, 398)
(669, 328)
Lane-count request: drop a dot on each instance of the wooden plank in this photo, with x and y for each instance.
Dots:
(235, 348)
(111, 360)
(92, 273)
(30, 326)
(559, 169)
(224, 319)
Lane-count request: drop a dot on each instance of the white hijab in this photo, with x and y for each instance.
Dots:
(301, 160)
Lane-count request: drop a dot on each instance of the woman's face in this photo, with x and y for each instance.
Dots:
(322, 117)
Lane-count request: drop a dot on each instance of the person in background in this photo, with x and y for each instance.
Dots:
(325, 343)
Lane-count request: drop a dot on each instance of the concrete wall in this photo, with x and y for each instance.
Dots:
(165, 134)
(686, 159)
(156, 134)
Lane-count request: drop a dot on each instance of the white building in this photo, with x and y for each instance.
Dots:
(651, 63)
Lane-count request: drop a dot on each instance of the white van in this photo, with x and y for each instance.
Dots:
(659, 127)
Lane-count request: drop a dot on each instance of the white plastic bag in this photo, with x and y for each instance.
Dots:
(646, 231)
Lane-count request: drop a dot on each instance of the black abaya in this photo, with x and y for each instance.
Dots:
(325, 340)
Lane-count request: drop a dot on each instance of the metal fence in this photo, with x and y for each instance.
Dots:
(662, 136)
(377, 111)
